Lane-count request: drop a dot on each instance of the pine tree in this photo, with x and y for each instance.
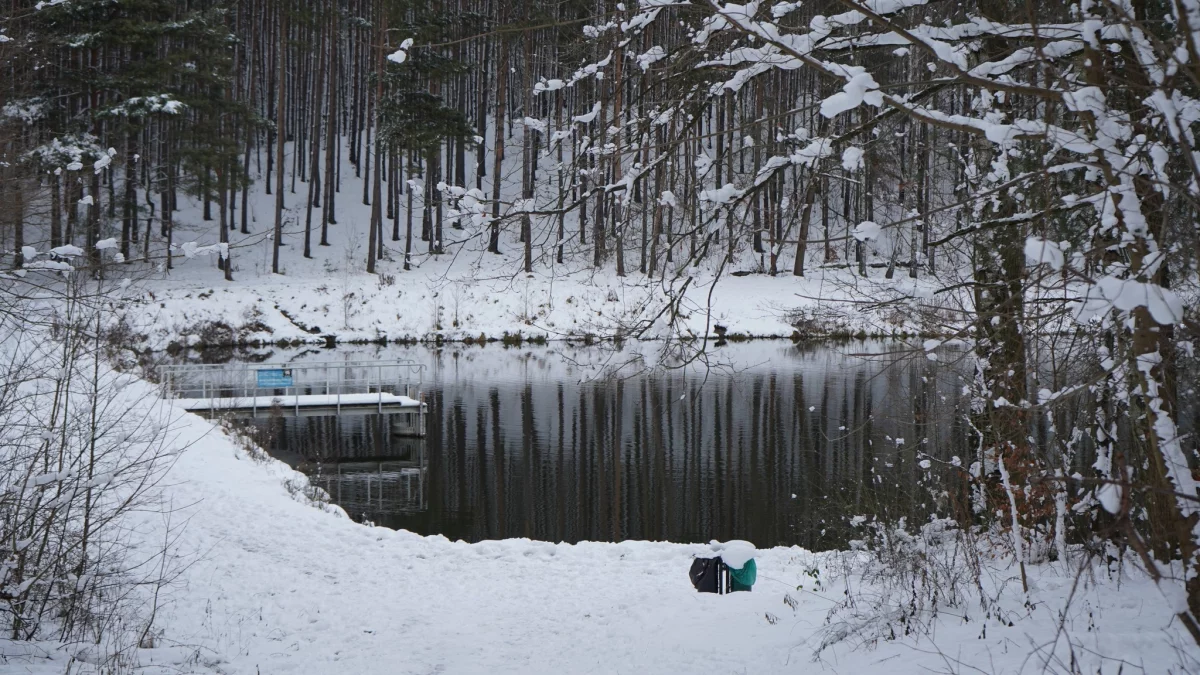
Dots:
(122, 75)
(414, 116)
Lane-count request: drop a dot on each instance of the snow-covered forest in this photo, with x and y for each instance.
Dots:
(1008, 189)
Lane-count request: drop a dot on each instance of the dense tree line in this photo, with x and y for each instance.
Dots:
(628, 129)
(211, 97)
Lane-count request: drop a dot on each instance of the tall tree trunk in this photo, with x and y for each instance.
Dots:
(129, 205)
(395, 178)
(529, 154)
(618, 211)
(435, 199)
(408, 237)
(810, 193)
(223, 259)
(376, 206)
(314, 183)
(93, 224)
(279, 138)
(56, 234)
(498, 151)
(72, 195)
(251, 134)
(18, 214)
(168, 187)
(332, 143)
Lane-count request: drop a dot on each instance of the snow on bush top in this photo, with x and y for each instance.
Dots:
(735, 552)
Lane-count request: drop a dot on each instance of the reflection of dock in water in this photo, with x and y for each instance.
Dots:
(367, 468)
(373, 488)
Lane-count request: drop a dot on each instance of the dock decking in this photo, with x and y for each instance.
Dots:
(303, 405)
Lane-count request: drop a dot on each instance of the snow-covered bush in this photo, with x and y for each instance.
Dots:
(82, 447)
(902, 578)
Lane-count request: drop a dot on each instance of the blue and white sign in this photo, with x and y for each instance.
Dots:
(275, 378)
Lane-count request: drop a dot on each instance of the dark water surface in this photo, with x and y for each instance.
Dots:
(777, 444)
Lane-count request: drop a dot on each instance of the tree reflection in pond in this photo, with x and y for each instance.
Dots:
(783, 450)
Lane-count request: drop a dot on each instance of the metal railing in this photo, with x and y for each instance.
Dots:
(384, 491)
(251, 380)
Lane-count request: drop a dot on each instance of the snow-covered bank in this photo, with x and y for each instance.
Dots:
(448, 303)
(274, 585)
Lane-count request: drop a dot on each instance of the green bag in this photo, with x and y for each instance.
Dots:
(744, 578)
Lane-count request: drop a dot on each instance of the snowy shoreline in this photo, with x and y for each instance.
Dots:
(361, 311)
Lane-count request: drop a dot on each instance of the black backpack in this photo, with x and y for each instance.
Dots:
(706, 574)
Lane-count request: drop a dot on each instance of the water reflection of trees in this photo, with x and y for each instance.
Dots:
(669, 455)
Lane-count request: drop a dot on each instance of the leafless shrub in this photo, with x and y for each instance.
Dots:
(82, 449)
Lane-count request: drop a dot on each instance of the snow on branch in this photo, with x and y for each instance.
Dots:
(401, 55)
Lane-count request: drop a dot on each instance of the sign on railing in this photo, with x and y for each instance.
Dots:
(274, 378)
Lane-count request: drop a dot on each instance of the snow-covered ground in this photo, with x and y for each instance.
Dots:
(273, 584)
(440, 301)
